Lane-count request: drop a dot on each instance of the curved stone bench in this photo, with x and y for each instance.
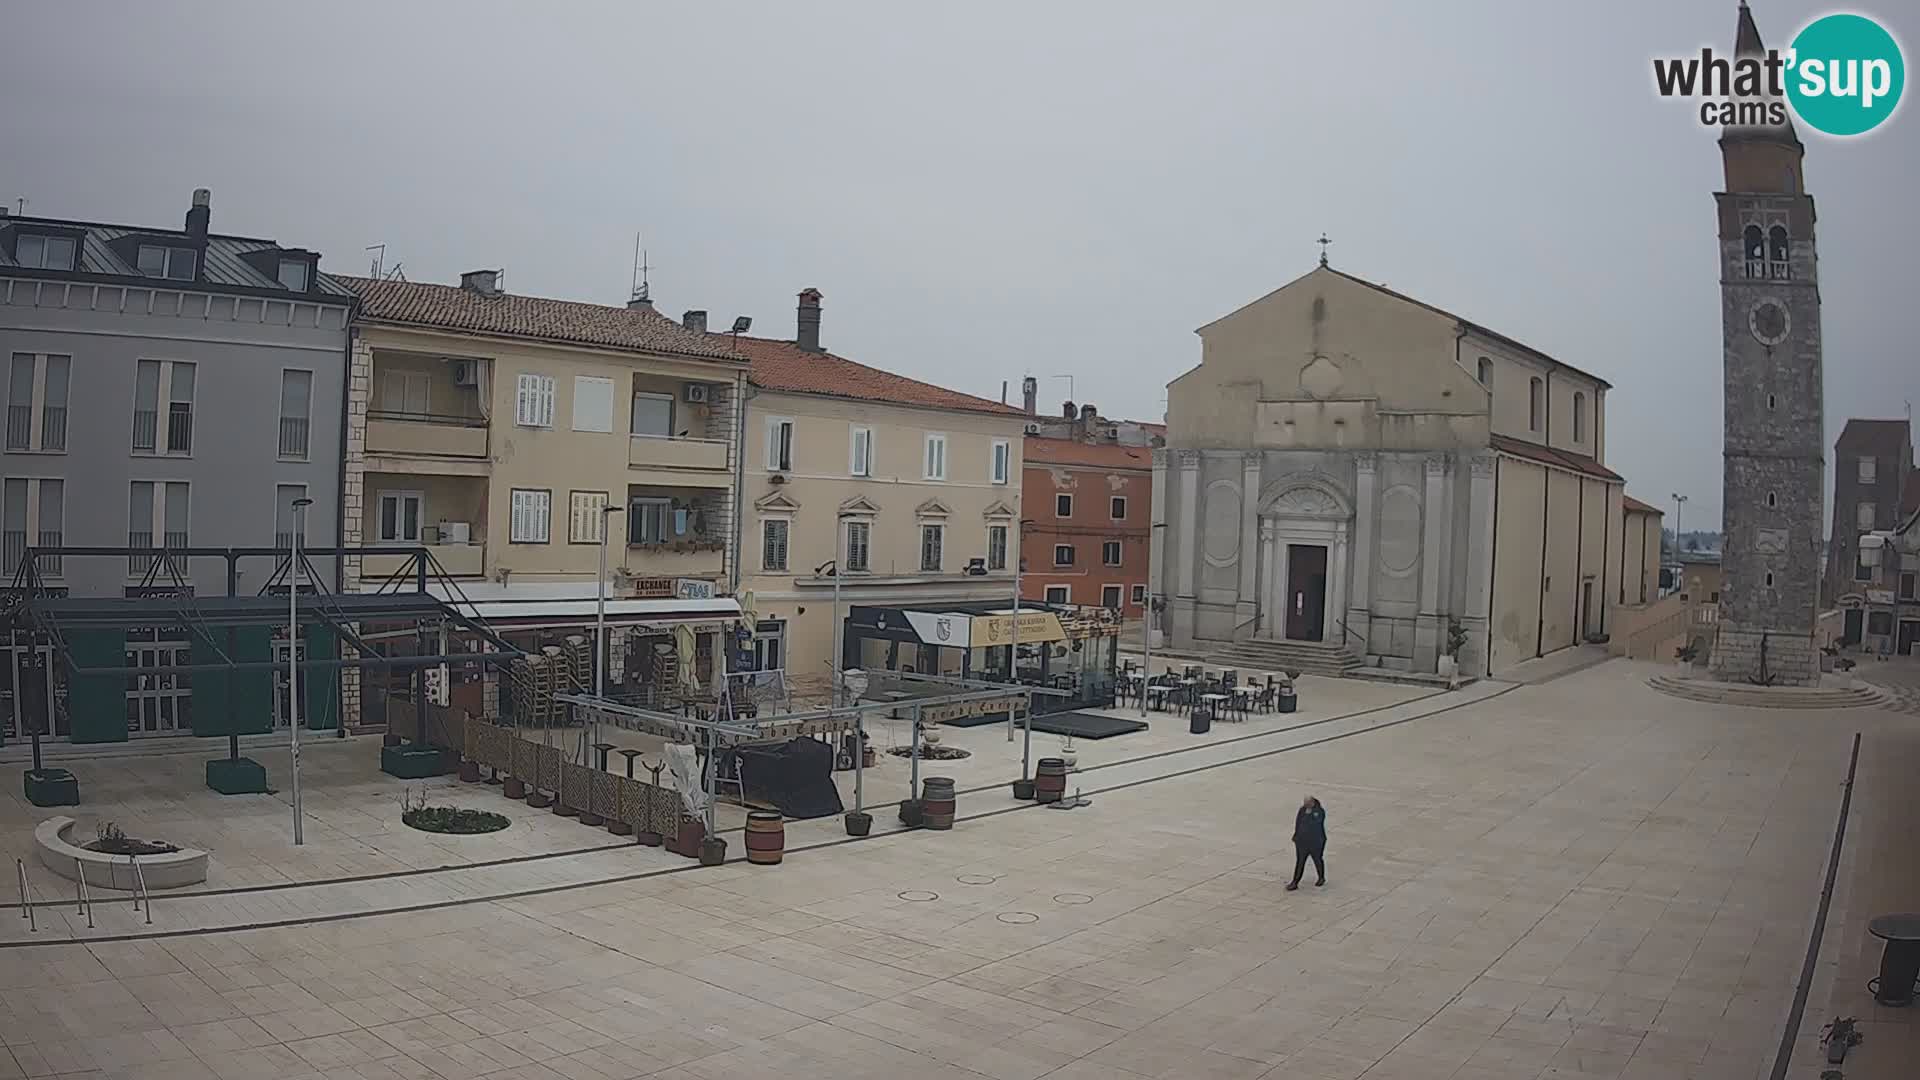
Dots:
(188, 866)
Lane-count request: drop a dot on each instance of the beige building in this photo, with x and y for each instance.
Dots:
(915, 488)
(1639, 551)
(1350, 473)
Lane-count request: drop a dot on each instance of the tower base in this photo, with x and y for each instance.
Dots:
(1763, 657)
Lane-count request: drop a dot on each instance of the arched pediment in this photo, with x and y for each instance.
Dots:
(1304, 496)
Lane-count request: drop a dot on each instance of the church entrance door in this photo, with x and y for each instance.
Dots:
(1306, 592)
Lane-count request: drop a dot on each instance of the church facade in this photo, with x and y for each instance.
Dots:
(1351, 469)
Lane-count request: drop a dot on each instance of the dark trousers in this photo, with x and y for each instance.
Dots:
(1301, 853)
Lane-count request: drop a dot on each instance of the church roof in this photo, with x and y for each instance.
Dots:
(1559, 459)
(1472, 326)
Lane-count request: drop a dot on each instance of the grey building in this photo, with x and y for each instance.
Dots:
(165, 387)
(1871, 462)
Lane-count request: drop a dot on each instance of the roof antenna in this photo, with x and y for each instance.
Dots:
(379, 254)
(640, 289)
(20, 206)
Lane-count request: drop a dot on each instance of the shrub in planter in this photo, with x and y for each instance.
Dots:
(111, 840)
(416, 813)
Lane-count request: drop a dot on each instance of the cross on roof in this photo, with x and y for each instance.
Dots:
(1323, 242)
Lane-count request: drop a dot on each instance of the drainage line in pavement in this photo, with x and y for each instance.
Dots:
(1792, 1029)
(546, 890)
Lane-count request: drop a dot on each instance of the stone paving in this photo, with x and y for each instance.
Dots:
(1578, 879)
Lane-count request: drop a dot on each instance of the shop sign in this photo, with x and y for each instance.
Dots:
(693, 589)
(1034, 626)
(964, 710)
(653, 588)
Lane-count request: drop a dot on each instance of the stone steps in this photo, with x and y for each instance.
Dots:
(1769, 697)
(1303, 656)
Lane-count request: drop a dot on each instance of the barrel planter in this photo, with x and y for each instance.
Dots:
(1287, 701)
(766, 838)
(1199, 721)
(469, 771)
(513, 788)
(686, 842)
(937, 802)
(1050, 780)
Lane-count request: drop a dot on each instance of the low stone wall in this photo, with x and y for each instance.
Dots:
(60, 854)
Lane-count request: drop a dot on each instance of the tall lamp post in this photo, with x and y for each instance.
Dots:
(600, 652)
(1679, 504)
(1026, 725)
(293, 661)
(1146, 626)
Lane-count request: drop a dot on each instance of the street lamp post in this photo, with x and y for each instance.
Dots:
(600, 617)
(1679, 504)
(1026, 725)
(293, 662)
(1146, 628)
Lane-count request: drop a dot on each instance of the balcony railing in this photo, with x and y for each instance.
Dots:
(426, 434)
(293, 436)
(141, 560)
(283, 540)
(1774, 269)
(13, 547)
(180, 428)
(456, 560)
(662, 452)
(19, 427)
(145, 423)
(50, 565)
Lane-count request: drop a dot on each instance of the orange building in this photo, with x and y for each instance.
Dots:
(1086, 531)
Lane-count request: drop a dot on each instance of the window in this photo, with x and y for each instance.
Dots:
(407, 393)
(773, 544)
(652, 414)
(936, 456)
(1862, 514)
(1536, 403)
(779, 444)
(44, 252)
(1906, 579)
(13, 525)
(859, 546)
(1486, 372)
(1002, 469)
(296, 397)
(1110, 553)
(650, 520)
(1063, 506)
(1861, 571)
(293, 274)
(530, 517)
(286, 519)
(38, 423)
(43, 529)
(1778, 264)
(1579, 417)
(592, 403)
(1063, 554)
(859, 451)
(1139, 594)
(400, 514)
(1110, 596)
(170, 527)
(586, 517)
(1868, 468)
(180, 410)
(152, 433)
(533, 400)
(769, 645)
(1117, 508)
(996, 547)
(1771, 500)
(1879, 622)
(1713, 597)
(1771, 402)
(1753, 247)
(175, 263)
(933, 540)
(1059, 594)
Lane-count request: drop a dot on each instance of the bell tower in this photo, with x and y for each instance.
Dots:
(1773, 470)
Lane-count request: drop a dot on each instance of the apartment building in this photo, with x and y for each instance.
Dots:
(1090, 537)
(496, 430)
(165, 388)
(1872, 460)
(913, 488)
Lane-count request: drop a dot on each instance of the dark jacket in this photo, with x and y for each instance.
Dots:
(1310, 828)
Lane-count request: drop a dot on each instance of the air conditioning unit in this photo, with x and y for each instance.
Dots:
(456, 532)
(466, 373)
(1033, 429)
(977, 567)
(696, 393)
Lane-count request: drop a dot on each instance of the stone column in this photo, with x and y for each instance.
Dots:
(1426, 639)
(1157, 539)
(1272, 604)
(1337, 603)
(353, 504)
(1366, 500)
(1191, 540)
(1249, 603)
(1479, 601)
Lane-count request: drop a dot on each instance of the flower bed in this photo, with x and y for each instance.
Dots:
(452, 819)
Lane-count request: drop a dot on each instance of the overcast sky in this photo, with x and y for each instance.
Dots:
(989, 190)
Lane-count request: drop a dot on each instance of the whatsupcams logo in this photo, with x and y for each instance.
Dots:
(1843, 75)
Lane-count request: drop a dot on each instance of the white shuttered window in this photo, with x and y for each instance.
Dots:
(533, 400)
(592, 403)
(531, 512)
(585, 518)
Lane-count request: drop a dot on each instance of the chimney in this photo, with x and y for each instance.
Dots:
(484, 282)
(695, 320)
(1030, 394)
(1067, 410)
(200, 214)
(1088, 414)
(808, 337)
(643, 302)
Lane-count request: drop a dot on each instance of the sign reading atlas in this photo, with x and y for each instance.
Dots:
(1843, 75)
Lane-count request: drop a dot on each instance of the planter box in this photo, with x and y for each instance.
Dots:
(412, 762)
(51, 787)
(237, 776)
(61, 855)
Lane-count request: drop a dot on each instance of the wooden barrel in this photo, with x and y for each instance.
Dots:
(766, 837)
(936, 802)
(1050, 780)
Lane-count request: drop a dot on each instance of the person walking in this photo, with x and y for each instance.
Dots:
(1309, 841)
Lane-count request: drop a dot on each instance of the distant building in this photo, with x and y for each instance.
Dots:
(1088, 540)
(1698, 586)
(1872, 463)
(1639, 551)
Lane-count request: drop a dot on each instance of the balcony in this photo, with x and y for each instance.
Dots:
(428, 436)
(679, 462)
(456, 560)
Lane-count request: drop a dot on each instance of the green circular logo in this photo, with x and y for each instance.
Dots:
(1845, 75)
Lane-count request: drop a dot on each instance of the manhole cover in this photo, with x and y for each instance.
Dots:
(1073, 898)
(919, 896)
(1017, 917)
(976, 879)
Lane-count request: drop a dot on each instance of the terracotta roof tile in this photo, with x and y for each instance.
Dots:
(450, 307)
(1039, 451)
(1628, 502)
(1579, 463)
(786, 367)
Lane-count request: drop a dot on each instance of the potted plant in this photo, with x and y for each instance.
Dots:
(1023, 790)
(1288, 700)
(1449, 665)
(911, 813)
(859, 823)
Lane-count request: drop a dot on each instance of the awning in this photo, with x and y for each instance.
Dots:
(977, 630)
(509, 607)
